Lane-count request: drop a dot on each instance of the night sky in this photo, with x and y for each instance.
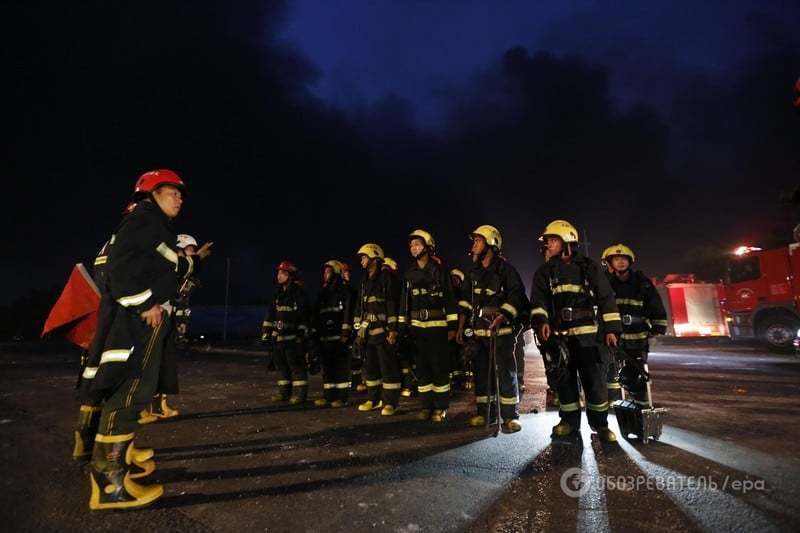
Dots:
(305, 129)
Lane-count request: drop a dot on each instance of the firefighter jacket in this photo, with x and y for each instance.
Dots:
(640, 307)
(143, 265)
(488, 291)
(287, 316)
(332, 316)
(575, 298)
(376, 307)
(427, 299)
(138, 268)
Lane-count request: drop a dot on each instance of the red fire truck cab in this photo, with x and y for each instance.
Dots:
(762, 298)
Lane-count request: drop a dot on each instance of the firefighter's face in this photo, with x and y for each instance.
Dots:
(190, 250)
(553, 246)
(364, 260)
(620, 263)
(478, 247)
(456, 281)
(169, 199)
(283, 277)
(346, 275)
(416, 247)
(327, 275)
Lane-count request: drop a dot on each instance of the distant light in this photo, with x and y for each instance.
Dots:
(202, 337)
(742, 250)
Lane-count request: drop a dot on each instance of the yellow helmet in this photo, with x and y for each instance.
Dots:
(457, 273)
(426, 237)
(391, 263)
(561, 228)
(618, 249)
(335, 265)
(490, 233)
(371, 250)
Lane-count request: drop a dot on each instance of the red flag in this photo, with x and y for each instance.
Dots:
(78, 306)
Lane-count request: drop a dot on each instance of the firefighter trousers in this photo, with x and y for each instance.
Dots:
(290, 362)
(335, 371)
(382, 373)
(356, 365)
(589, 363)
(641, 396)
(506, 365)
(433, 366)
(168, 374)
(120, 412)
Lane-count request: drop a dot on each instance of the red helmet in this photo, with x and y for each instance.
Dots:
(150, 181)
(288, 266)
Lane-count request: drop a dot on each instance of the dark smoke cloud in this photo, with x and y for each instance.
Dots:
(97, 95)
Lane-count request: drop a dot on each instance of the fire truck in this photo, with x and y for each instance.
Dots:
(762, 295)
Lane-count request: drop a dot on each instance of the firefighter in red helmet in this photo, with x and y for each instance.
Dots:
(141, 270)
(284, 329)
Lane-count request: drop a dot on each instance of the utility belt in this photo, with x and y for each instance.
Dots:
(629, 320)
(427, 314)
(280, 325)
(570, 314)
(486, 314)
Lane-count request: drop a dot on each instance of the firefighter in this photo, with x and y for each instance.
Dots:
(331, 326)
(565, 291)
(284, 330)
(643, 315)
(491, 302)
(168, 374)
(375, 320)
(142, 271)
(404, 347)
(356, 357)
(459, 375)
(428, 310)
(188, 245)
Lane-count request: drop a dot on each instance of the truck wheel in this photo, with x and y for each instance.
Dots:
(778, 332)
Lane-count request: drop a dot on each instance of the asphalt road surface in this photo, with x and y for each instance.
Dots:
(235, 461)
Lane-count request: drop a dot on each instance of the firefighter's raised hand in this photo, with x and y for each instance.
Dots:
(611, 339)
(544, 332)
(391, 338)
(460, 336)
(153, 316)
(205, 250)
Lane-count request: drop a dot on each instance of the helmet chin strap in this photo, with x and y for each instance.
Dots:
(424, 252)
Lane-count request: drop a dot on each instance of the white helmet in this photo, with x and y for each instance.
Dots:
(186, 240)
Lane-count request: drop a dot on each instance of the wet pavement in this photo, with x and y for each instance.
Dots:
(235, 461)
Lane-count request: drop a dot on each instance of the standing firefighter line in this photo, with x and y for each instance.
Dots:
(576, 309)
